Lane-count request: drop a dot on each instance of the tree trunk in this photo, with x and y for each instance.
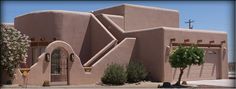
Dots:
(180, 76)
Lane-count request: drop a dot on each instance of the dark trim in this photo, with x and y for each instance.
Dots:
(39, 43)
(199, 45)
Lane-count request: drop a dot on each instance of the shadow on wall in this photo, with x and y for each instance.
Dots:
(96, 38)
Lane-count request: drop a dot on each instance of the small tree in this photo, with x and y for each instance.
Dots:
(183, 57)
(14, 48)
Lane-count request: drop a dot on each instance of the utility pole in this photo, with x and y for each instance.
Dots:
(190, 26)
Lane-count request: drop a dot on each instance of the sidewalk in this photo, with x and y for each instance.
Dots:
(222, 83)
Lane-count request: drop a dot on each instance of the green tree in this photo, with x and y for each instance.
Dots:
(14, 48)
(183, 57)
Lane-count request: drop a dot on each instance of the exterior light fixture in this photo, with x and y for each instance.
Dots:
(47, 57)
(72, 57)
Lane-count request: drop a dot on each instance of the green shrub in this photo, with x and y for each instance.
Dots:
(14, 46)
(136, 72)
(114, 75)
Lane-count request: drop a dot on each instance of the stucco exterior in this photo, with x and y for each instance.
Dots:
(117, 35)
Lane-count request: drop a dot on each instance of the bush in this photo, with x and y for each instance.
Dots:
(14, 46)
(136, 72)
(114, 75)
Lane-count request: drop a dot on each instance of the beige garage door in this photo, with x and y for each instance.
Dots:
(209, 70)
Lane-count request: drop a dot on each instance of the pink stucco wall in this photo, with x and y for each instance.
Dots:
(117, 35)
(141, 17)
(40, 71)
(156, 59)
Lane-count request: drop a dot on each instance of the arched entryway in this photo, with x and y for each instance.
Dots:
(59, 67)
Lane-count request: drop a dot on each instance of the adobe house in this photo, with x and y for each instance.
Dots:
(75, 48)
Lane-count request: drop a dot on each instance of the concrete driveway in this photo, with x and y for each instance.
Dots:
(220, 82)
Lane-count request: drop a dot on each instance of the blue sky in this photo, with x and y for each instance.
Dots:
(209, 15)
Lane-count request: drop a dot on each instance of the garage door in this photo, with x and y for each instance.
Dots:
(209, 70)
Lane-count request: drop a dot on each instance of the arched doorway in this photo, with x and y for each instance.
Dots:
(59, 67)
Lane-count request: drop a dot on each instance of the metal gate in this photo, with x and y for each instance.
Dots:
(59, 67)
